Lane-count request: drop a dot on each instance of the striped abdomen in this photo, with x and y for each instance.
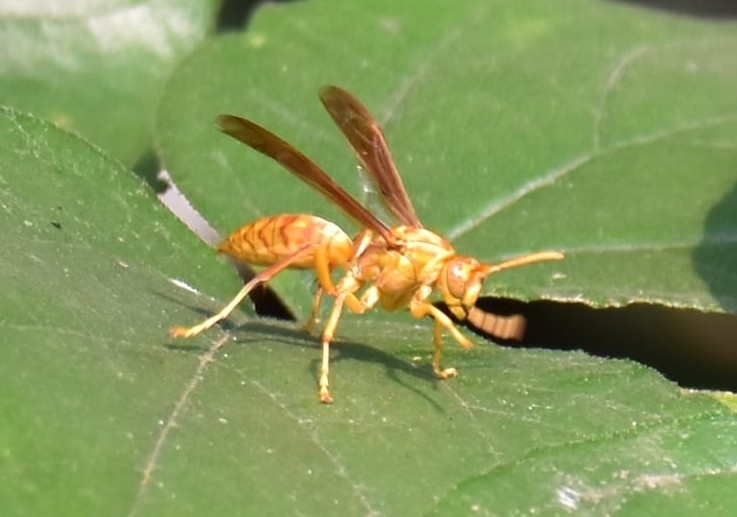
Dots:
(269, 239)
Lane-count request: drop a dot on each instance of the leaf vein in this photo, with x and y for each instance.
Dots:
(171, 422)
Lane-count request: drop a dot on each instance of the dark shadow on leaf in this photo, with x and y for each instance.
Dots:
(700, 8)
(259, 330)
(147, 168)
(715, 258)
(692, 348)
(351, 350)
(341, 351)
(234, 15)
(265, 300)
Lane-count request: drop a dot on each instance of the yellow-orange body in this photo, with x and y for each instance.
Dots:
(393, 267)
(268, 240)
(397, 273)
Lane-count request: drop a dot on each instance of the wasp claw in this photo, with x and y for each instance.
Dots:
(325, 397)
(180, 332)
(446, 373)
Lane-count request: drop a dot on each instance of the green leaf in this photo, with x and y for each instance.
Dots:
(101, 417)
(104, 415)
(597, 130)
(88, 263)
(97, 66)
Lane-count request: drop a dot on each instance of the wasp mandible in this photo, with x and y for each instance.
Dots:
(394, 267)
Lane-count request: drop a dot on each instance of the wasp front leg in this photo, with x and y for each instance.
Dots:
(419, 309)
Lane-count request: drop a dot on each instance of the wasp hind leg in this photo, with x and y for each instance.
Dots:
(260, 278)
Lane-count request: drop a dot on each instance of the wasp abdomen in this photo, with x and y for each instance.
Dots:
(267, 240)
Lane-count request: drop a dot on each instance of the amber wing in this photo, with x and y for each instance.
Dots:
(369, 144)
(267, 143)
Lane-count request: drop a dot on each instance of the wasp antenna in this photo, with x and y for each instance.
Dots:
(523, 260)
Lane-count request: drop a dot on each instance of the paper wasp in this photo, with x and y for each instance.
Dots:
(394, 267)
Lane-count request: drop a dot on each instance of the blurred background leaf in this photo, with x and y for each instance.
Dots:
(98, 67)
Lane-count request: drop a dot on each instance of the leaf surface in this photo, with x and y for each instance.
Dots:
(601, 130)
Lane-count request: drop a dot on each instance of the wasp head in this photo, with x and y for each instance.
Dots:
(461, 278)
(460, 284)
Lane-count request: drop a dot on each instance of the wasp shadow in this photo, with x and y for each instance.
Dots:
(259, 329)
